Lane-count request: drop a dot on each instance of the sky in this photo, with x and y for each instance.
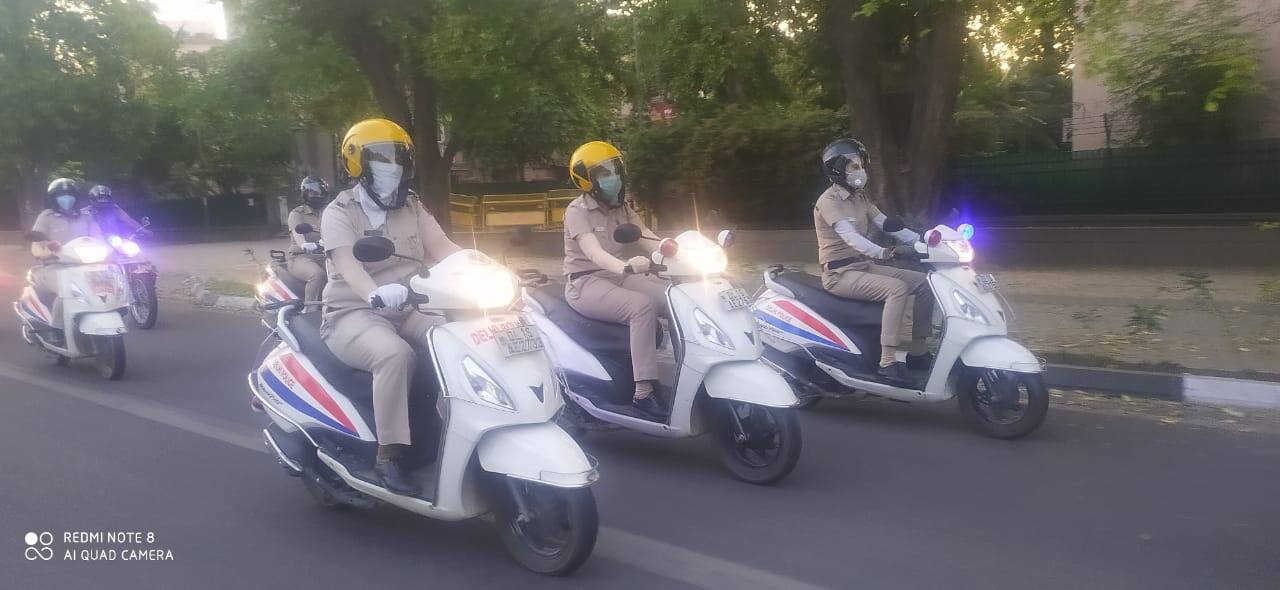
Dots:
(200, 15)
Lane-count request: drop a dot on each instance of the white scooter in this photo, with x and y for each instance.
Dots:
(277, 284)
(482, 402)
(718, 384)
(830, 346)
(84, 318)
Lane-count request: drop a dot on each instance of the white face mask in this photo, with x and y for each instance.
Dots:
(386, 179)
(857, 179)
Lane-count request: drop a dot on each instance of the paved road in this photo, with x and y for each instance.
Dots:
(886, 495)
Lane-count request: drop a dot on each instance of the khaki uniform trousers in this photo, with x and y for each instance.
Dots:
(872, 282)
(306, 268)
(382, 344)
(634, 300)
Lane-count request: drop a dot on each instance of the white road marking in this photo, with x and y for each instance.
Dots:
(636, 551)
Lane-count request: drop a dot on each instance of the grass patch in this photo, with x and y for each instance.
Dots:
(1269, 291)
(1146, 319)
(1102, 362)
(232, 288)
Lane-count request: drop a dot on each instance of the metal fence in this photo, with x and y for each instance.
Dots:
(1240, 177)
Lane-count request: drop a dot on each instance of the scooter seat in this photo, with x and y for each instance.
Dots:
(841, 311)
(352, 382)
(593, 335)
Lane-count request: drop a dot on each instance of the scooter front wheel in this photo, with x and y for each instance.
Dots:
(1003, 404)
(758, 444)
(109, 356)
(144, 305)
(549, 530)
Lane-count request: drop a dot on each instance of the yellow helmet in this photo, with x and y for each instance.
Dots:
(374, 141)
(597, 168)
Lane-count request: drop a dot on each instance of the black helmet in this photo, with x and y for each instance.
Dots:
(314, 192)
(64, 187)
(100, 194)
(836, 156)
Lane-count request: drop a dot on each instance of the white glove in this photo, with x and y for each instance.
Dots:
(639, 264)
(392, 295)
(312, 247)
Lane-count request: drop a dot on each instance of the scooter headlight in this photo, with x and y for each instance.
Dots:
(710, 331)
(130, 248)
(968, 308)
(485, 388)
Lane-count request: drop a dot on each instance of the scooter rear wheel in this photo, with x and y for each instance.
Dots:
(1003, 404)
(556, 531)
(758, 444)
(321, 484)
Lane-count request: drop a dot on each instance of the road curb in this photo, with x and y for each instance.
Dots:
(1179, 387)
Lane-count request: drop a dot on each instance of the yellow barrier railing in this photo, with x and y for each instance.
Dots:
(495, 212)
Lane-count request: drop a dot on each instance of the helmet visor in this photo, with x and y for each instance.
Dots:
(390, 152)
(607, 168)
(313, 189)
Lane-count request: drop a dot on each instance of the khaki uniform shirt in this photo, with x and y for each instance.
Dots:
(302, 214)
(413, 230)
(586, 216)
(63, 229)
(837, 203)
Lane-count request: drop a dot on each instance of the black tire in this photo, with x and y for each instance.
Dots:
(145, 305)
(769, 448)
(109, 356)
(562, 532)
(60, 360)
(320, 482)
(987, 401)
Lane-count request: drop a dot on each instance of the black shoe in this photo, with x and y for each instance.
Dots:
(649, 408)
(395, 477)
(896, 375)
(917, 362)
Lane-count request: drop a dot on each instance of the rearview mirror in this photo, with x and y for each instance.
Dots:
(626, 233)
(373, 249)
(303, 229)
(35, 236)
(894, 223)
(726, 238)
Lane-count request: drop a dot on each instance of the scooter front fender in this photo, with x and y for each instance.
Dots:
(750, 382)
(102, 323)
(998, 352)
(541, 452)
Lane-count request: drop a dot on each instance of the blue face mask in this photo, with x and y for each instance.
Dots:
(66, 202)
(611, 187)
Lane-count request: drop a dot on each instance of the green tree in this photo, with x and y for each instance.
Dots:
(458, 73)
(1186, 71)
(80, 83)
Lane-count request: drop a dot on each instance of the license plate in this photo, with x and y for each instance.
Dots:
(102, 282)
(986, 283)
(518, 340)
(736, 298)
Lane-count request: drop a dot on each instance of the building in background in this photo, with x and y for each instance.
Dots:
(1097, 119)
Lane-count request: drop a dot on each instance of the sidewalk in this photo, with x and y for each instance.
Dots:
(1203, 319)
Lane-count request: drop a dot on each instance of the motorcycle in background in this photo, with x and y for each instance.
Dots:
(140, 276)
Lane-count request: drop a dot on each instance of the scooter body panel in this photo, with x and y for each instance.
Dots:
(751, 382)
(89, 299)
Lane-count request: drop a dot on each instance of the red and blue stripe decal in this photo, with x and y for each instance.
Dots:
(816, 330)
(33, 307)
(329, 413)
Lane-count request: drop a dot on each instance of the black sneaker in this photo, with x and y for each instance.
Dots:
(896, 375)
(919, 362)
(649, 408)
(395, 477)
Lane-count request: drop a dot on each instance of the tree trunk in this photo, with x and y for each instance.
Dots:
(908, 146)
(433, 167)
(31, 196)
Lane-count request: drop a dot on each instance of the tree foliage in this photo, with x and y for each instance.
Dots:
(80, 79)
(1186, 71)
